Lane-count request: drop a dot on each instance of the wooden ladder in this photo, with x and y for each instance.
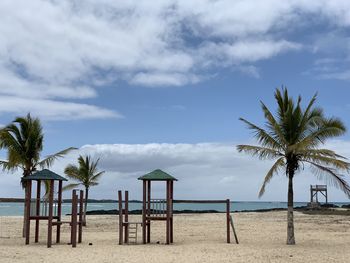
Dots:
(132, 233)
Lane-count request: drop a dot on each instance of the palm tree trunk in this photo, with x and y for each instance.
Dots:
(290, 218)
(86, 202)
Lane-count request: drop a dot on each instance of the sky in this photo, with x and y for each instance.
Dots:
(161, 84)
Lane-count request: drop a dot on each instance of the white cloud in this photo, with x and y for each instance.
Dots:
(164, 79)
(204, 170)
(330, 68)
(68, 41)
(244, 51)
(69, 48)
(53, 109)
(341, 75)
(12, 84)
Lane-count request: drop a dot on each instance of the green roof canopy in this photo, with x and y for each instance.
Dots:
(157, 175)
(44, 174)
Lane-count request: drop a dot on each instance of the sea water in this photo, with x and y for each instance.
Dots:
(16, 209)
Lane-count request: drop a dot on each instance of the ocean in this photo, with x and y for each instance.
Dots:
(16, 209)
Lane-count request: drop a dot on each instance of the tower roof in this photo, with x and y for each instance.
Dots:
(157, 175)
(44, 174)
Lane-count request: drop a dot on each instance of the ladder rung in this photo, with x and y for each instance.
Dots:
(132, 233)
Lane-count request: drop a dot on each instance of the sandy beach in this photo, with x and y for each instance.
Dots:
(198, 238)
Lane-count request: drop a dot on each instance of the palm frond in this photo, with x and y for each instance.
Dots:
(6, 165)
(331, 177)
(321, 152)
(48, 161)
(97, 176)
(329, 161)
(261, 152)
(273, 124)
(72, 172)
(85, 173)
(274, 169)
(263, 137)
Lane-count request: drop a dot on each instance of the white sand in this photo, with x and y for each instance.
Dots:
(197, 238)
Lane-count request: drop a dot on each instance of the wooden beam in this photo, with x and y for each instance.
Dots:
(171, 211)
(144, 212)
(27, 221)
(38, 188)
(81, 212)
(49, 229)
(126, 217)
(42, 217)
(200, 201)
(233, 229)
(74, 218)
(59, 212)
(228, 220)
(148, 211)
(159, 218)
(168, 212)
(120, 207)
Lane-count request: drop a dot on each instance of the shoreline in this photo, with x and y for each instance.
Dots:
(325, 209)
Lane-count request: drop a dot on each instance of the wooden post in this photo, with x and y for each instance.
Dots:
(120, 207)
(74, 219)
(311, 196)
(126, 217)
(171, 211)
(228, 220)
(148, 211)
(144, 213)
(233, 229)
(168, 212)
(81, 212)
(38, 188)
(59, 212)
(49, 229)
(27, 222)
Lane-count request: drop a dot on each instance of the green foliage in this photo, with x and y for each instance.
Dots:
(294, 136)
(23, 139)
(86, 173)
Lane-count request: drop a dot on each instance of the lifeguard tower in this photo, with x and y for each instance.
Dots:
(314, 190)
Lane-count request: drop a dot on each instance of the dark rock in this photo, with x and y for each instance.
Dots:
(329, 205)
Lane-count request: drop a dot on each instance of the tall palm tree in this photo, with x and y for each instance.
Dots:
(86, 174)
(23, 139)
(294, 137)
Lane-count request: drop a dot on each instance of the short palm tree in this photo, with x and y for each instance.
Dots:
(86, 174)
(293, 137)
(23, 139)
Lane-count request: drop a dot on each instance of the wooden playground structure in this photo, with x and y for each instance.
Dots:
(43, 209)
(159, 209)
